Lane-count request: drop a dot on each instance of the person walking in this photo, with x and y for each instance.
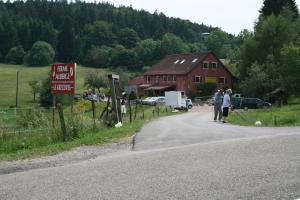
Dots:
(218, 100)
(226, 104)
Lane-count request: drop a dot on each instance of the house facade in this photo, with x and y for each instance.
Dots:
(183, 72)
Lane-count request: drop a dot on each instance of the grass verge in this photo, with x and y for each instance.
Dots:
(285, 116)
(101, 135)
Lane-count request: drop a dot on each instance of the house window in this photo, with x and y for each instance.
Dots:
(221, 80)
(165, 78)
(198, 79)
(169, 78)
(205, 65)
(157, 79)
(174, 77)
(214, 65)
(210, 65)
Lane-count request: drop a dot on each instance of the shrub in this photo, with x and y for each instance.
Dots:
(206, 89)
(16, 55)
(34, 118)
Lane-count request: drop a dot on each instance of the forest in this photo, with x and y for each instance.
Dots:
(98, 34)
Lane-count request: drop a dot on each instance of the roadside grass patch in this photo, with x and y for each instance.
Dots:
(285, 116)
(45, 140)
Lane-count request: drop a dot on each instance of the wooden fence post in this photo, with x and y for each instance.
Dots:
(135, 111)
(130, 113)
(53, 110)
(94, 112)
(62, 122)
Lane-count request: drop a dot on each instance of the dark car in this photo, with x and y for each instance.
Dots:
(254, 103)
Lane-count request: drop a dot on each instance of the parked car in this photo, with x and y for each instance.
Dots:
(77, 97)
(147, 100)
(153, 100)
(189, 103)
(254, 103)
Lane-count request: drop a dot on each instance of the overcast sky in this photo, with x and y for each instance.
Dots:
(230, 15)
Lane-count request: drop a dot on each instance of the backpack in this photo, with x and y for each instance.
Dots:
(218, 98)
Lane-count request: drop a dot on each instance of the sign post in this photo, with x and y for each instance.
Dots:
(63, 78)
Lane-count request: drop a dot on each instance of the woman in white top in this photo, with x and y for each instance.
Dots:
(226, 104)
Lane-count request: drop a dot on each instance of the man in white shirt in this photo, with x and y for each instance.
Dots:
(226, 104)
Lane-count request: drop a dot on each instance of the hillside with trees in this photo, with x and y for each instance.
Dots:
(99, 34)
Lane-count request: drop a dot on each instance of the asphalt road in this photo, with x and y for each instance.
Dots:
(180, 157)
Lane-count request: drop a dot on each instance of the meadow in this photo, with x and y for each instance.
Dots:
(8, 82)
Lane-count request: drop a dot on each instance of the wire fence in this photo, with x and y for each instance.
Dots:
(30, 127)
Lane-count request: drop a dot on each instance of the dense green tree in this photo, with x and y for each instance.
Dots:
(290, 69)
(172, 44)
(217, 41)
(98, 56)
(265, 55)
(41, 53)
(8, 33)
(120, 56)
(145, 50)
(276, 6)
(99, 33)
(128, 37)
(66, 42)
(15, 55)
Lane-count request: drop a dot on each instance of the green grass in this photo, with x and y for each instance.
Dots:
(48, 142)
(285, 116)
(8, 79)
(44, 140)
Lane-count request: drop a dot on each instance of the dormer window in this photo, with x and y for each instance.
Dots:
(195, 60)
(182, 61)
(177, 61)
(205, 65)
(215, 65)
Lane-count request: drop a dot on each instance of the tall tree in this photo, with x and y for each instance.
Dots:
(275, 7)
(8, 34)
(66, 42)
(128, 37)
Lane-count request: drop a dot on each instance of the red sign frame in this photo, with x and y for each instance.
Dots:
(63, 78)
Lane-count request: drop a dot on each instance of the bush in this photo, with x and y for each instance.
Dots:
(41, 53)
(34, 118)
(46, 96)
(206, 89)
(16, 55)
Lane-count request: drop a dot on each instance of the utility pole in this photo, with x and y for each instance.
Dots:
(17, 89)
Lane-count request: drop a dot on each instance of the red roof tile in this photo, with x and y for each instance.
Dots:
(136, 81)
(177, 64)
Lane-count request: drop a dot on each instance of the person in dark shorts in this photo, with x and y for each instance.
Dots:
(226, 104)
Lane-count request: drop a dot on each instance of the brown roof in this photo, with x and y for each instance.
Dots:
(177, 64)
(136, 81)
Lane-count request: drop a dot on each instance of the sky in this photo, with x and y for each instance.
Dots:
(231, 16)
